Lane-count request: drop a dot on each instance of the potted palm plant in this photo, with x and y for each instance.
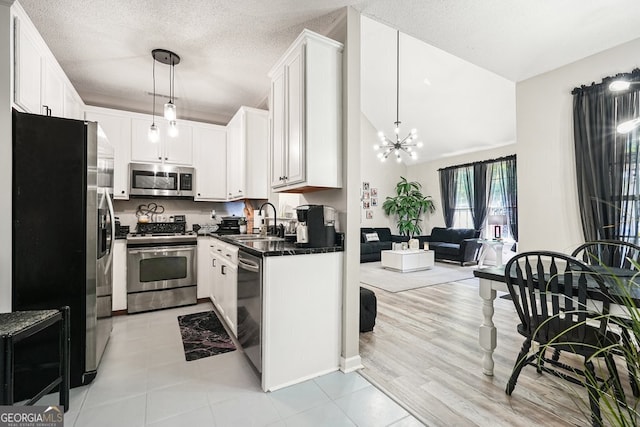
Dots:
(408, 204)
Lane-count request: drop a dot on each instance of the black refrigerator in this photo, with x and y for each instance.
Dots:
(62, 242)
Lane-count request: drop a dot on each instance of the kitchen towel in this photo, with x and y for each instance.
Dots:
(203, 335)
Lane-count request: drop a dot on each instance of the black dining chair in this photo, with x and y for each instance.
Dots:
(609, 253)
(550, 292)
(615, 258)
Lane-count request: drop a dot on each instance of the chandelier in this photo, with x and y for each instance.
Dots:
(397, 145)
(170, 114)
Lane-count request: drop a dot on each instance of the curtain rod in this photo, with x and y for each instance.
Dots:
(464, 165)
(635, 74)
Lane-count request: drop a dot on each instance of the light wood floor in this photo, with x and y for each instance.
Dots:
(424, 353)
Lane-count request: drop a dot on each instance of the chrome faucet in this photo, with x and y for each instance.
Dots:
(275, 217)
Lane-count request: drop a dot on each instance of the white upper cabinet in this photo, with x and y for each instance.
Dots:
(117, 127)
(236, 164)
(39, 84)
(306, 116)
(278, 129)
(27, 67)
(210, 162)
(247, 154)
(256, 135)
(52, 90)
(72, 105)
(171, 150)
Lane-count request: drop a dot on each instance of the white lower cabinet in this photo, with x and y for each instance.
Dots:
(119, 296)
(302, 312)
(203, 266)
(229, 274)
(223, 276)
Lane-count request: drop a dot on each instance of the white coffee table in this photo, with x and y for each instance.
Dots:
(407, 260)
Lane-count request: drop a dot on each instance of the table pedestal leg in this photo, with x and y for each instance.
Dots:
(487, 333)
(498, 249)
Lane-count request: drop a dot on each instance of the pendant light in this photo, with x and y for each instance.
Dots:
(170, 112)
(154, 134)
(406, 144)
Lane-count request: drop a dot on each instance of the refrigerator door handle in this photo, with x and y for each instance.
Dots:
(111, 219)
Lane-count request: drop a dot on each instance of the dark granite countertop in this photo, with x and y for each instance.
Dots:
(15, 322)
(275, 248)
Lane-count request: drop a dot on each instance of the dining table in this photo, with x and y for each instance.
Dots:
(621, 283)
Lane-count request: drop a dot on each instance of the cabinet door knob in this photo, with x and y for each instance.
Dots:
(159, 158)
(122, 192)
(166, 158)
(223, 270)
(198, 194)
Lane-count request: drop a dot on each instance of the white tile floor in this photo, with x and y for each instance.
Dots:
(144, 380)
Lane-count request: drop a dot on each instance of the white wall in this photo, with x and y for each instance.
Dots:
(195, 212)
(548, 210)
(427, 174)
(5, 158)
(382, 176)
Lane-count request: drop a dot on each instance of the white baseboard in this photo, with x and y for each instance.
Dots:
(351, 364)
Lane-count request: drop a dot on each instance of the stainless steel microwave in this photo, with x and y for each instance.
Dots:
(161, 180)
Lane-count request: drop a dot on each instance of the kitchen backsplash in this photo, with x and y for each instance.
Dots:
(195, 212)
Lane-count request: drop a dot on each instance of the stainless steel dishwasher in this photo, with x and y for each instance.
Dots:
(250, 306)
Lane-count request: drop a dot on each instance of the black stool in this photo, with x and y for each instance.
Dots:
(19, 325)
(368, 310)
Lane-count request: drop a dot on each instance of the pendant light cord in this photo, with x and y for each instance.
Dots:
(171, 75)
(398, 79)
(154, 90)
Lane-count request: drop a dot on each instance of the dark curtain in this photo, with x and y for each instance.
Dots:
(511, 187)
(448, 192)
(606, 161)
(475, 182)
(506, 174)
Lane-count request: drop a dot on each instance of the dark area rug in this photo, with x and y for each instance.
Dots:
(203, 335)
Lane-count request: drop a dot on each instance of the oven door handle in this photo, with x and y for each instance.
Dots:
(160, 249)
(248, 265)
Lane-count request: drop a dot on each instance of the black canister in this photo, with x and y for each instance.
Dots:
(330, 235)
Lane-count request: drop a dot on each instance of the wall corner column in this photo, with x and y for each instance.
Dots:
(5, 155)
(350, 357)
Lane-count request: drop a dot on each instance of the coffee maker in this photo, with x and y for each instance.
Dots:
(316, 226)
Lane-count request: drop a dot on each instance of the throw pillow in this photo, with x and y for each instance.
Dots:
(371, 237)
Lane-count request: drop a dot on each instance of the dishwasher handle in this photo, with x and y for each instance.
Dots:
(249, 265)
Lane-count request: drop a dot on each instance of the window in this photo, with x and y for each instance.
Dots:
(498, 207)
(462, 213)
(630, 208)
(501, 196)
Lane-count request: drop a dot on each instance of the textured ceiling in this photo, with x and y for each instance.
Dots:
(227, 48)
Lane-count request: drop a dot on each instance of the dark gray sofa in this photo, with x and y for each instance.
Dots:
(453, 244)
(370, 251)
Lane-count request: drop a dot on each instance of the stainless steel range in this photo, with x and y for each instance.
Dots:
(161, 267)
